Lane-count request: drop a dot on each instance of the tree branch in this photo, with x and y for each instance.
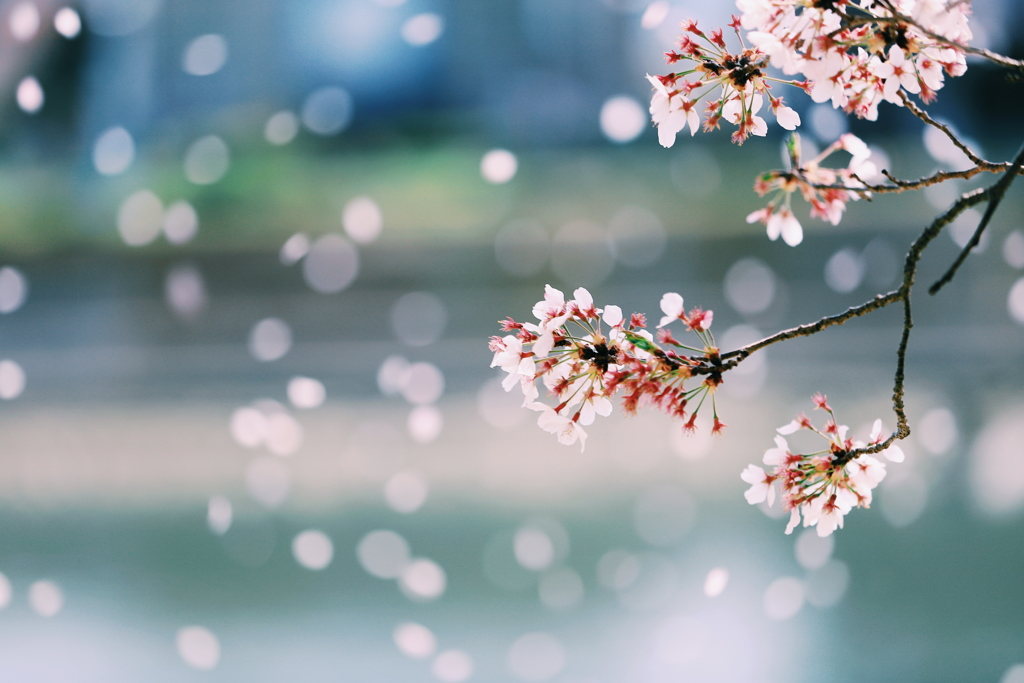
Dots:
(996, 194)
(923, 115)
(902, 431)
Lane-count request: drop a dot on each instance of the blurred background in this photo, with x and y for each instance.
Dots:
(250, 258)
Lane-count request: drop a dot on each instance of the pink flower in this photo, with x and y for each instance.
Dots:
(761, 488)
(568, 431)
(672, 307)
(784, 223)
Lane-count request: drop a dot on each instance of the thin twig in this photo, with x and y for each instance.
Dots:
(902, 430)
(923, 115)
(934, 179)
(998, 191)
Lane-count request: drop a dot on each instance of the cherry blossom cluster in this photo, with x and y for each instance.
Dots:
(822, 187)
(822, 486)
(732, 85)
(857, 54)
(852, 54)
(583, 365)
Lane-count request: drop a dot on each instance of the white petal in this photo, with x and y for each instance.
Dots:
(894, 453)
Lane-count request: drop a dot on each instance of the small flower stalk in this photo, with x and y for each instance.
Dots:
(819, 488)
(585, 356)
(827, 190)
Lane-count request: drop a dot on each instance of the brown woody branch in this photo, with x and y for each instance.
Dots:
(902, 293)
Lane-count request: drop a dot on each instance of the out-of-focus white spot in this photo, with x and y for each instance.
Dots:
(499, 408)
(581, 253)
(185, 291)
(1013, 249)
(205, 55)
(406, 492)
(425, 423)
(655, 584)
(452, 666)
(499, 166)
(249, 427)
(67, 22)
(119, 17)
(392, 375)
(813, 551)
(414, 640)
(618, 570)
(362, 220)
(560, 589)
(268, 481)
(180, 223)
(1015, 301)
(942, 149)
(622, 119)
(716, 581)
(536, 656)
(422, 29)
(284, 433)
(748, 377)
(1015, 674)
(12, 380)
(198, 647)
(826, 585)
(139, 218)
(327, 111)
(750, 286)
(30, 95)
(654, 14)
(423, 384)
(501, 567)
(306, 392)
(207, 160)
(422, 580)
(680, 640)
(270, 339)
(827, 124)
(997, 463)
(281, 128)
(663, 514)
(637, 237)
(418, 318)
(294, 248)
(963, 227)
(942, 195)
(844, 271)
(521, 247)
(6, 591)
(13, 289)
(219, 515)
(383, 554)
(23, 21)
(331, 264)
(113, 151)
(534, 549)
(903, 499)
(783, 598)
(45, 598)
(313, 549)
(881, 263)
(936, 431)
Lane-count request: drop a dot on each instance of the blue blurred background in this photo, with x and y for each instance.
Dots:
(250, 257)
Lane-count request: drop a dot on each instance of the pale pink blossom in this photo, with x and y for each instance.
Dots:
(672, 307)
(761, 488)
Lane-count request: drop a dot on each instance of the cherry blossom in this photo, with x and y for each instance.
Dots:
(585, 367)
(820, 487)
